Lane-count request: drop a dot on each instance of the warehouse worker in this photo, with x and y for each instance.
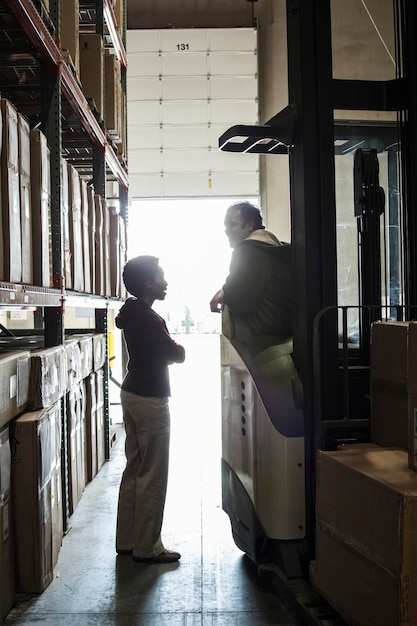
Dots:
(144, 398)
(256, 296)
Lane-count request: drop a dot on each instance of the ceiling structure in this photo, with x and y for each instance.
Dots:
(191, 13)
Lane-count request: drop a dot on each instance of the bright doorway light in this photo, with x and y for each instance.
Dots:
(188, 237)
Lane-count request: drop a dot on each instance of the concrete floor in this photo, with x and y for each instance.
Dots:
(214, 584)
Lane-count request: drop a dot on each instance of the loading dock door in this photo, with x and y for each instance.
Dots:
(184, 89)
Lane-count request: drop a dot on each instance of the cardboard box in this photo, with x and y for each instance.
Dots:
(14, 384)
(56, 483)
(99, 351)
(25, 199)
(85, 343)
(41, 209)
(85, 235)
(10, 194)
(48, 377)
(366, 540)
(76, 465)
(34, 461)
(7, 554)
(70, 30)
(92, 69)
(92, 238)
(119, 14)
(389, 384)
(106, 247)
(99, 246)
(113, 87)
(66, 227)
(74, 362)
(91, 426)
(100, 427)
(394, 386)
(74, 197)
(115, 260)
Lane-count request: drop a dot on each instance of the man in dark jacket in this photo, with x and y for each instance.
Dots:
(144, 398)
(256, 297)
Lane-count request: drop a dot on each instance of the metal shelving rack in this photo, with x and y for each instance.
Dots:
(36, 78)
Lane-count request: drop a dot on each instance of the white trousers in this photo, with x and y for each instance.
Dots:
(144, 480)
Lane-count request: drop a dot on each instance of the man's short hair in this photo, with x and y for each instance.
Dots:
(249, 213)
(137, 272)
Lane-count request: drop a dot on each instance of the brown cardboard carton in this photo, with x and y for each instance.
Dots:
(100, 427)
(33, 463)
(25, 199)
(75, 410)
(70, 33)
(92, 238)
(74, 196)
(14, 384)
(10, 194)
(81, 442)
(48, 377)
(389, 384)
(115, 269)
(91, 426)
(99, 246)
(112, 73)
(41, 209)
(85, 343)
(394, 386)
(66, 227)
(85, 235)
(412, 397)
(74, 362)
(106, 247)
(119, 13)
(99, 351)
(7, 554)
(92, 69)
(56, 484)
(366, 541)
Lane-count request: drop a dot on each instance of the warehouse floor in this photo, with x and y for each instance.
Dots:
(213, 584)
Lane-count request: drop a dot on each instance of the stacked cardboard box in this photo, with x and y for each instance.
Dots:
(70, 33)
(76, 468)
(394, 386)
(91, 426)
(37, 506)
(113, 89)
(48, 377)
(65, 222)
(41, 209)
(100, 426)
(85, 236)
(7, 552)
(366, 539)
(10, 194)
(99, 246)
(92, 239)
(74, 202)
(14, 384)
(25, 200)
(92, 69)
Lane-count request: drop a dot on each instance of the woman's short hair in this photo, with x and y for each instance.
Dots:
(139, 271)
(249, 213)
